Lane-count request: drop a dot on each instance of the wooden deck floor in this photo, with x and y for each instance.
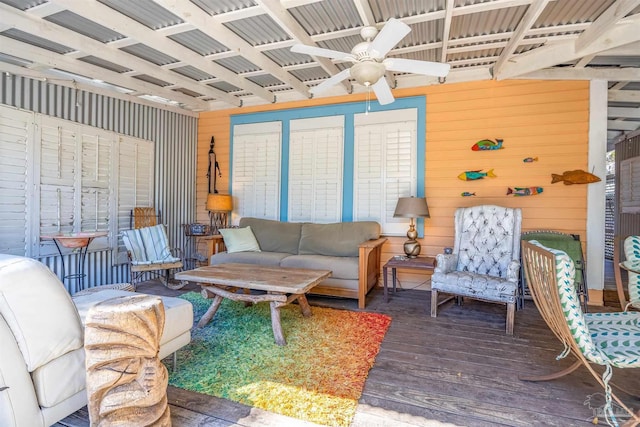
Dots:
(457, 369)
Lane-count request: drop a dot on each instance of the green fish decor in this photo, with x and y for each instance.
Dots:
(467, 194)
(524, 191)
(473, 175)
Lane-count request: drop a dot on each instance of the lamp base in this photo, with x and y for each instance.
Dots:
(217, 221)
(412, 248)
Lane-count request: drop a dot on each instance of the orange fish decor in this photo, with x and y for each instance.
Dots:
(577, 176)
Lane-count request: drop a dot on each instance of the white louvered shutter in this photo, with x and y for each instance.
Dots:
(16, 135)
(315, 169)
(630, 186)
(385, 166)
(256, 170)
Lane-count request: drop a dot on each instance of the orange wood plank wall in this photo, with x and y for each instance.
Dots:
(548, 120)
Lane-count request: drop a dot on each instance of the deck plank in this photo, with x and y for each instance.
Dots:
(459, 368)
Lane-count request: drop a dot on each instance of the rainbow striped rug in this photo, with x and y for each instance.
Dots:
(318, 376)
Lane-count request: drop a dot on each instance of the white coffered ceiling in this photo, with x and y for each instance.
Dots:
(212, 54)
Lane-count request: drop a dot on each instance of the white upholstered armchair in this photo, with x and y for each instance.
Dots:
(485, 262)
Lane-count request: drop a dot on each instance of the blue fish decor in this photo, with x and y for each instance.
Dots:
(524, 191)
(530, 159)
(487, 144)
(467, 194)
(473, 175)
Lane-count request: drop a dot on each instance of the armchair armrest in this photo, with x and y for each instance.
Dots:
(446, 263)
(513, 271)
(369, 255)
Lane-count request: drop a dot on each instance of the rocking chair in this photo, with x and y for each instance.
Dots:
(149, 252)
(606, 339)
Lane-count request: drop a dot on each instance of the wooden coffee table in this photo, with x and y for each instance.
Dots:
(282, 286)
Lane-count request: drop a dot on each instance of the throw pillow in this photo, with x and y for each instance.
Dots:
(240, 240)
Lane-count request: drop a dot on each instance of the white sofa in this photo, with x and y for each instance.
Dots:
(42, 360)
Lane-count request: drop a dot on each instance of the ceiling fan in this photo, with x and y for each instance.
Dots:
(369, 63)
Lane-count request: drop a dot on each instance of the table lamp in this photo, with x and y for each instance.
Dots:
(219, 206)
(411, 207)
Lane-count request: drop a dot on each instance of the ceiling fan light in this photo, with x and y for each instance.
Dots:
(367, 73)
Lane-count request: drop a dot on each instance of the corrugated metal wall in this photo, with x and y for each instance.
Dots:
(175, 138)
(626, 224)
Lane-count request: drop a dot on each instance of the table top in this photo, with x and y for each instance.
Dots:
(74, 240)
(257, 277)
(421, 263)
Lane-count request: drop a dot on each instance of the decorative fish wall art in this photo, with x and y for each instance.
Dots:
(473, 175)
(530, 159)
(577, 176)
(524, 191)
(467, 194)
(487, 144)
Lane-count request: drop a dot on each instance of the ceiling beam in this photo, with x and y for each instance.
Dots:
(58, 34)
(605, 21)
(365, 12)
(587, 73)
(622, 125)
(99, 12)
(529, 18)
(282, 16)
(209, 25)
(623, 95)
(624, 32)
(446, 30)
(52, 60)
(624, 112)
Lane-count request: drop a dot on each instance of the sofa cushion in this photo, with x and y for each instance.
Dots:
(261, 258)
(341, 267)
(178, 312)
(60, 379)
(239, 240)
(274, 236)
(339, 239)
(46, 326)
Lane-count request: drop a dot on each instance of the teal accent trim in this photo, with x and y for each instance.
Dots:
(348, 110)
(284, 171)
(347, 170)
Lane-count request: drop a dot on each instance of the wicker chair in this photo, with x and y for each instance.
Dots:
(149, 252)
(606, 339)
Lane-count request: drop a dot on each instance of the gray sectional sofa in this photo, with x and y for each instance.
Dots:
(351, 250)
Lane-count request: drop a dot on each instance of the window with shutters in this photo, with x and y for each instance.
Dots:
(315, 169)
(16, 155)
(256, 170)
(384, 166)
(58, 176)
(630, 186)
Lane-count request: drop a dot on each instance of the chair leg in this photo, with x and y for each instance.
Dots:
(434, 303)
(511, 311)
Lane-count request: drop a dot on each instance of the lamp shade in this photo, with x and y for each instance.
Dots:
(411, 207)
(219, 203)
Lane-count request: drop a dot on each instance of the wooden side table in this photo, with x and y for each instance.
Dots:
(215, 244)
(426, 264)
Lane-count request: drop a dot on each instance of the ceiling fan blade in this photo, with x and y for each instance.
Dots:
(318, 51)
(392, 32)
(426, 68)
(333, 80)
(383, 92)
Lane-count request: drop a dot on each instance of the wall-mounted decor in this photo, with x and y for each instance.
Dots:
(487, 144)
(577, 176)
(524, 191)
(530, 159)
(467, 194)
(473, 175)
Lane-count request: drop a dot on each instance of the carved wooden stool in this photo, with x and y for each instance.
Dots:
(126, 381)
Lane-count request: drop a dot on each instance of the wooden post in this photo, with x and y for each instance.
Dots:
(126, 381)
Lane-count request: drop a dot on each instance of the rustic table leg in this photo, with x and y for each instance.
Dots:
(275, 323)
(211, 311)
(304, 305)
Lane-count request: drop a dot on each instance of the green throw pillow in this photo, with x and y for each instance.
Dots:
(240, 240)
